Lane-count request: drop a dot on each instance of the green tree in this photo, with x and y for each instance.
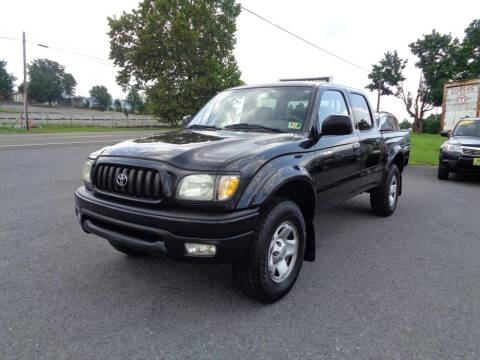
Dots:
(47, 81)
(21, 88)
(6, 81)
(179, 51)
(117, 105)
(405, 124)
(439, 60)
(391, 67)
(431, 124)
(417, 104)
(386, 76)
(69, 85)
(101, 99)
(134, 100)
(470, 50)
(442, 58)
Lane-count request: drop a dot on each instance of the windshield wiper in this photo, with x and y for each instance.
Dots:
(207, 127)
(245, 126)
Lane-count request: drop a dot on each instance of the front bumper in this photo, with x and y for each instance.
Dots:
(460, 163)
(167, 230)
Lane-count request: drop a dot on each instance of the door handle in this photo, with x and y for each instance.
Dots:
(356, 147)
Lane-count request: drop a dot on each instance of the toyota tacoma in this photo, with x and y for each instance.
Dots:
(242, 180)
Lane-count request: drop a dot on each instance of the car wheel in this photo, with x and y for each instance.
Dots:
(384, 199)
(442, 172)
(276, 253)
(126, 250)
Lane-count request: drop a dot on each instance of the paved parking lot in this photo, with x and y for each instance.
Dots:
(403, 287)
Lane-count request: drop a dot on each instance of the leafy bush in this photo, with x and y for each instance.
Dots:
(431, 125)
(405, 124)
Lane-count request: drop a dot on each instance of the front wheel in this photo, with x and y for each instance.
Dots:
(442, 172)
(384, 199)
(275, 255)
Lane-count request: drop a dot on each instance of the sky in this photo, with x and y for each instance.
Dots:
(359, 31)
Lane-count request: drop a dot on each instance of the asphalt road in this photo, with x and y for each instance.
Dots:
(403, 287)
(48, 140)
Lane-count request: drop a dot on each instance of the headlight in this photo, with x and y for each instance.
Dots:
(86, 171)
(196, 187)
(453, 148)
(205, 187)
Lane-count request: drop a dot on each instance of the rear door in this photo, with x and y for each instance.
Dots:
(372, 156)
(337, 157)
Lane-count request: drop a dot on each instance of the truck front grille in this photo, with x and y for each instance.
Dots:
(471, 151)
(138, 183)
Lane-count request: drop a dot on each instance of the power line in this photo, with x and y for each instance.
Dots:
(94, 58)
(9, 38)
(304, 40)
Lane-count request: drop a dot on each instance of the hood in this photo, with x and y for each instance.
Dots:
(210, 150)
(465, 140)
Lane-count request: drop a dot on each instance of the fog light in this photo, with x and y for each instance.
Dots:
(200, 249)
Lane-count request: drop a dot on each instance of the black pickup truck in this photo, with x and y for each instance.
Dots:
(243, 179)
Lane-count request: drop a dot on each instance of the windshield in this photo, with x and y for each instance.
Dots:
(280, 108)
(467, 128)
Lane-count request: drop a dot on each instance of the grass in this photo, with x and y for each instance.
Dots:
(424, 149)
(8, 128)
(9, 111)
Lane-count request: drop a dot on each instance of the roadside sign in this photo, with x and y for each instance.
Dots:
(460, 99)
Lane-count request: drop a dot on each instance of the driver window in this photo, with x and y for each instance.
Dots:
(333, 103)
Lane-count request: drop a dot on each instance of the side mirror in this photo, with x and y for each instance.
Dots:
(445, 133)
(337, 125)
(186, 119)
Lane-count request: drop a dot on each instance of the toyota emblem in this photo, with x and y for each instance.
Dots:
(122, 179)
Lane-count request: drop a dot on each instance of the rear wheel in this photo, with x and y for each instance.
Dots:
(443, 172)
(384, 199)
(275, 255)
(126, 250)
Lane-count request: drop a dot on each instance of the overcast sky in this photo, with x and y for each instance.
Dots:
(357, 30)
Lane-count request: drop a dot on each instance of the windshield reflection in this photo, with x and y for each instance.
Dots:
(281, 108)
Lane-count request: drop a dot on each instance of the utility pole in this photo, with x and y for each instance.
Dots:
(25, 84)
(379, 91)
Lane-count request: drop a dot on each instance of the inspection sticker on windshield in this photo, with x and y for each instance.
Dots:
(476, 162)
(294, 125)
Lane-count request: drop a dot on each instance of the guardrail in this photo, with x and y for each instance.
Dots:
(80, 119)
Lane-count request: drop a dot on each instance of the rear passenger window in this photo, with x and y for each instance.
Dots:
(362, 112)
(333, 103)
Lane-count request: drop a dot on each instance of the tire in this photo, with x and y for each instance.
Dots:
(442, 172)
(276, 253)
(384, 199)
(126, 250)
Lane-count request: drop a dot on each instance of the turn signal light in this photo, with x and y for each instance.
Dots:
(227, 186)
